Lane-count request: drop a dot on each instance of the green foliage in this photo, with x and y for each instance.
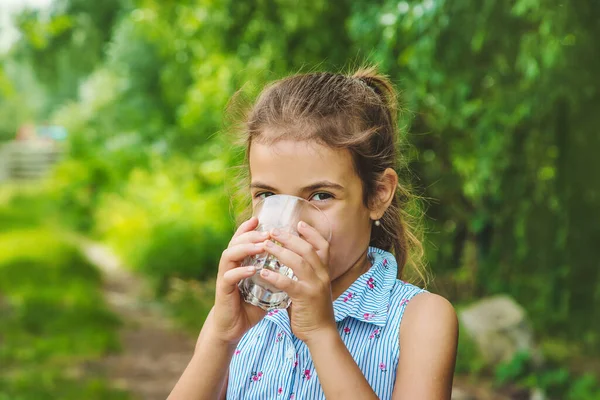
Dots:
(505, 141)
(168, 221)
(555, 381)
(22, 98)
(68, 45)
(586, 387)
(19, 208)
(68, 297)
(53, 318)
(514, 369)
(75, 189)
(189, 302)
(468, 359)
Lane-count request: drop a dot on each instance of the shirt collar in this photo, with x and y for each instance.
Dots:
(281, 318)
(367, 299)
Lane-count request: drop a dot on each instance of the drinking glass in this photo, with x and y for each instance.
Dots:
(281, 212)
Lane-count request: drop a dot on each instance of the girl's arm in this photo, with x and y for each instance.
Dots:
(429, 337)
(206, 374)
(428, 341)
(338, 373)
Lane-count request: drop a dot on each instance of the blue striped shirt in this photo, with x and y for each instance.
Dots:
(271, 363)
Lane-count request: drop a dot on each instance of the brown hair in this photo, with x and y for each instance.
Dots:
(357, 112)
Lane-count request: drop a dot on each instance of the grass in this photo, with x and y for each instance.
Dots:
(53, 318)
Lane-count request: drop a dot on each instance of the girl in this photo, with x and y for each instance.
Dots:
(353, 331)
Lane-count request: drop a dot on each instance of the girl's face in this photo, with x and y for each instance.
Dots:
(325, 177)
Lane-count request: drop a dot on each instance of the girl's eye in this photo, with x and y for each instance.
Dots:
(321, 196)
(262, 195)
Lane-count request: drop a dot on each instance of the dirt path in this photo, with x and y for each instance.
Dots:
(154, 353)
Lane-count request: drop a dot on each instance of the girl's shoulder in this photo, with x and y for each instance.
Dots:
(401, 295)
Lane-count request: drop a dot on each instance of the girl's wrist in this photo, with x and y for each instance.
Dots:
(322, 337)
(213, 346)
(213, 336)
(216, 340)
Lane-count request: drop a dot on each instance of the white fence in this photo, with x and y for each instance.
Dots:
(27, 159)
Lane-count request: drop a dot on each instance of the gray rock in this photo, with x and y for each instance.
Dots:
(500, 328)
(537, 394)
(460, 394)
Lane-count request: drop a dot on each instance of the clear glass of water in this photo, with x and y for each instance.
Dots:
(282, 212)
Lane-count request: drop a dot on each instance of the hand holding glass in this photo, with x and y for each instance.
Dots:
(281, 212)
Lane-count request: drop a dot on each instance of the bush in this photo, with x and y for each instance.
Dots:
(53, 319)
(75, 189)
(189, 302)
(23, 207)
(468, 359)
(53, 293)
(586, 387)
(555, 381)
(167, 222)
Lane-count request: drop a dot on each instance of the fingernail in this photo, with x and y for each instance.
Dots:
(268, 243)
(302, 224)
(264, 234)
(265, 272)
(251, 268)
(276, 232)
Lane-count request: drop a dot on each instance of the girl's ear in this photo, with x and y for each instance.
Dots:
(384, 193)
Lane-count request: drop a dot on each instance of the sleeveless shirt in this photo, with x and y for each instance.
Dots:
(271, 363)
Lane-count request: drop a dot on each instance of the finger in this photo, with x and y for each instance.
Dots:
(281, 282)
(231, 278)
(299, 246)
(249, 237)
(320, 246)
(246, 226)
(301, 268)
(312, 236)
(232, 256)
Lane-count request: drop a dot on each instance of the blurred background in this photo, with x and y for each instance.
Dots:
(116, 170)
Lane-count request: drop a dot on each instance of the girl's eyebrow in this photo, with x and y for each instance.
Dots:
(260, 185)
(323, 185)
(314, 186)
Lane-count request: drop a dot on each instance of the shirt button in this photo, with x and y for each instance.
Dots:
(290, 354)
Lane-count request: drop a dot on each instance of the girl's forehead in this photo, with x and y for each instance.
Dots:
(299, 161)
